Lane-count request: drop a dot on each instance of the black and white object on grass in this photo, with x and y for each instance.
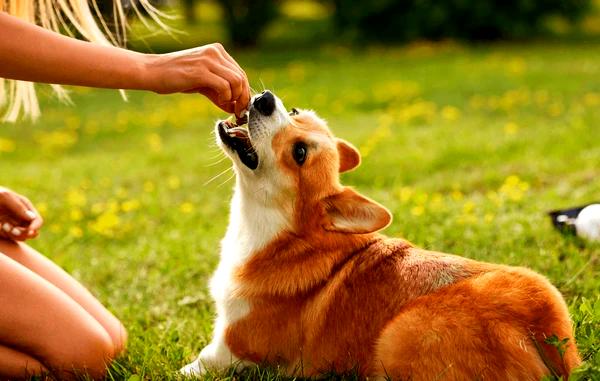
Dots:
(584, 221)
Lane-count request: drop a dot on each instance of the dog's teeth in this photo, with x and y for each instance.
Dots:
(234, 121)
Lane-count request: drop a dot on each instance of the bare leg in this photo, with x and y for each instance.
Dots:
(48, 270)
(39, 321)
(14, 363)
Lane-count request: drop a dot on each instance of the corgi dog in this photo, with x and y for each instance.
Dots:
(305, 281)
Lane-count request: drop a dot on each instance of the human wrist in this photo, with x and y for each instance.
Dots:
(145, 72)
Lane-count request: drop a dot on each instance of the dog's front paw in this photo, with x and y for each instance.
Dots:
(192, 369)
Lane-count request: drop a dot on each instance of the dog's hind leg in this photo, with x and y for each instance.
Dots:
(480, 328)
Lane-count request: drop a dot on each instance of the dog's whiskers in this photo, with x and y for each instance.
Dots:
(216, 162)
(253, 90)
(226, 181)
(217, 176)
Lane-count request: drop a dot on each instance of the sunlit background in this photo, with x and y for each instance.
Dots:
(474, 119)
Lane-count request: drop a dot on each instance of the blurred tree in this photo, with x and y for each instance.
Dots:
(245, 20)
(387, 20)
(189, 11)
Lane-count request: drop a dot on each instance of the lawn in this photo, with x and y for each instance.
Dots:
(469, 146)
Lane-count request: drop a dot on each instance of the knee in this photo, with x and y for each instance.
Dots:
(97, 354)
(119, 339)
(90, 355)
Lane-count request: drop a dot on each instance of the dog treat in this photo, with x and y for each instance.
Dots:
(234, 121)
(243, 120)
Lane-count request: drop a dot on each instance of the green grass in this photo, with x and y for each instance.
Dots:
(468, 146)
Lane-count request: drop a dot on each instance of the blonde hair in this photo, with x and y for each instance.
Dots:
(68, 17)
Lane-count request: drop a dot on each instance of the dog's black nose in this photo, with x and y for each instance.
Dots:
(265, 103)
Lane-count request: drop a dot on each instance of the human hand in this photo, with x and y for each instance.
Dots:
(19, 220)
(208, 70)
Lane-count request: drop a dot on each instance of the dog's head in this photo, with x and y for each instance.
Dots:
(291, 161)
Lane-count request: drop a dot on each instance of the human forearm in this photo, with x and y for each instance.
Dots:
(31, 53)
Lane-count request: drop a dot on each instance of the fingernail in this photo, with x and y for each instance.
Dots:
(31, 214)
(16, 231)
(30, 232)
(7, 227)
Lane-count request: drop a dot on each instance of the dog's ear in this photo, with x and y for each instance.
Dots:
(349, 212)
(349, 155)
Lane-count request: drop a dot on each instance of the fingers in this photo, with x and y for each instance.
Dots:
(235, 81)
(199, 69)
(15, 233)
(19, 220)
(228, 107)
(14, 204)
(218, 91)
(228, 69)
(241, 102)
(37, 221)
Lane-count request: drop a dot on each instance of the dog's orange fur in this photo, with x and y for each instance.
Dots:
(333, 295)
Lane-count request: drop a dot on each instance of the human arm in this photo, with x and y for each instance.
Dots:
(31, 53)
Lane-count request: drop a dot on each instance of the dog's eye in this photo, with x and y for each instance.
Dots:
(294, 111)
(299, 152)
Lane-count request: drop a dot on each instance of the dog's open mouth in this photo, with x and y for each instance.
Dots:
(234, 134)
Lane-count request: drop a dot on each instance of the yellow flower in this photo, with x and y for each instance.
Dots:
(457, 195)
(106, 223)
(112, 206)
(513, 188)
(405, 194)
(437, 200)
(450, 113)
(421, 198)
(591, 99)
(380, 133)
(174, 182)
(76, 215)
(154, 142)
(418, 111)
(56, 140)
(7, 145)
(517, 66)
(75, 197)
(42, 208)
(465, 219)
(417, 210)
(511, 128)
(393, 91)
(493, 197)
(149, 187)
(75, 231)
(468, 207)
(121, 192)
(186, 207)
(555, 109)
(130, 205)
